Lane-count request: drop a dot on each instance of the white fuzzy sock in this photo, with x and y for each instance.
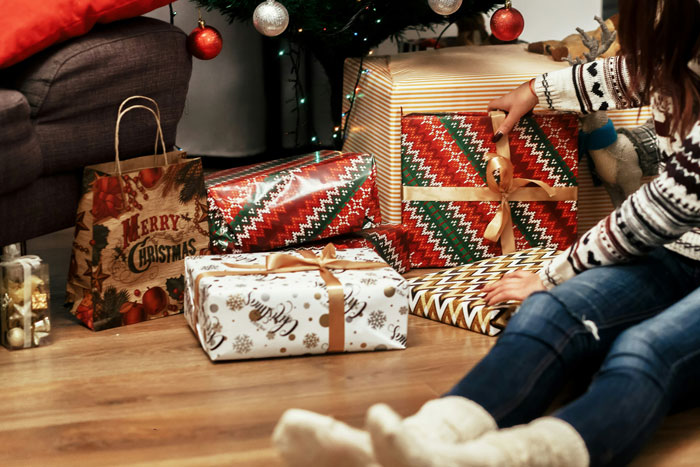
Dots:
(451, 419)
(307, 438)
(546, 442)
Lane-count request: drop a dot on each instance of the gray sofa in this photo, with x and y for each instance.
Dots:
(58, 109)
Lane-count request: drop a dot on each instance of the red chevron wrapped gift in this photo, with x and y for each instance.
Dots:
(291, 201)
(466, 198)
(389, 241)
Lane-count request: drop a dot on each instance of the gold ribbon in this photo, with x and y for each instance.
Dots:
(500, 186)
(278, 263)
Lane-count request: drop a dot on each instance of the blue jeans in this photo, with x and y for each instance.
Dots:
(646, 359)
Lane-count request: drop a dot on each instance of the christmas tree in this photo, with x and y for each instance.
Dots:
(335, 30)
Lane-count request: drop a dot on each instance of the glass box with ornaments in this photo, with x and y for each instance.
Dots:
(24, 300)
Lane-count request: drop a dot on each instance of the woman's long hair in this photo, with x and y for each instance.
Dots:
(658, 38)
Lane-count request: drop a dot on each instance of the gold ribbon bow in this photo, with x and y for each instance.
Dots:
(500, 186)
(278, 263)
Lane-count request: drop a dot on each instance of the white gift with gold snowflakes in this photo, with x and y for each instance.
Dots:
(239, 315)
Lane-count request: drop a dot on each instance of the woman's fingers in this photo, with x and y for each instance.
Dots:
(501, 297)
(513, 286)
(509, 122)
(492, 285)
(505, 279)
(502, 294)
(499, 103)
(516, 103)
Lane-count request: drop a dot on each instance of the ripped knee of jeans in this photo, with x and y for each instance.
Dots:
(545, 309)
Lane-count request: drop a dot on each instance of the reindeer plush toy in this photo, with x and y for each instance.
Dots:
(620, 157)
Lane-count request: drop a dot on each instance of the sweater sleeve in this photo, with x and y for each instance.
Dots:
(600, 85)
(656, 214)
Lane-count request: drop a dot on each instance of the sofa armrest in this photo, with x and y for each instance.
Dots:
(20, 155)
(74, 90)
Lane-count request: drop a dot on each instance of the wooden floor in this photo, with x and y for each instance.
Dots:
(148, 395)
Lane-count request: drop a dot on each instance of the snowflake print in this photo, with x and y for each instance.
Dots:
(235, 302)
(403, 310)
(270, 335)
(311, 340)
(368, 280)
(242, 344)
(376, 319)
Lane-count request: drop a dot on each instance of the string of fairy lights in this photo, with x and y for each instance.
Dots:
(271, 19)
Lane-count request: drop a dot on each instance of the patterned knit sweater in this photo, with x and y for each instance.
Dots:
(665, 211)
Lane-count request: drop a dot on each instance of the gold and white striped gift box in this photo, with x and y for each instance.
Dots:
(457, 79)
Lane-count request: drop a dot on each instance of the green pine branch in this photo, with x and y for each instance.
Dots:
(106, 308)
(333, 30)
(349, 28)
(192, 181)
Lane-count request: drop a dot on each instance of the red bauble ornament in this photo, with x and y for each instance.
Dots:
(149, 177)
(132, 313)
(507, 23)
(154, 300)
(204, 42)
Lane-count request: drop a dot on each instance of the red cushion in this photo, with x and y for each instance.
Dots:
(28, 26)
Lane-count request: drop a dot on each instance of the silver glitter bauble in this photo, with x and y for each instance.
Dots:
(445, 7)
(271, 18)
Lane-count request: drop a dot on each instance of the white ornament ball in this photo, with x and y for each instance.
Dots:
(445, 7)
(271, 18)
(15, 337)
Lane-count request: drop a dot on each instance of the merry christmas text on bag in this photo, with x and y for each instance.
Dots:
(137, 220)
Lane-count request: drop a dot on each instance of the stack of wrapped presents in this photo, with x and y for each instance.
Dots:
(334, 285)
(307, 254)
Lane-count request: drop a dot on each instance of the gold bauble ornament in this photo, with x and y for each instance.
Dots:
(15, 337)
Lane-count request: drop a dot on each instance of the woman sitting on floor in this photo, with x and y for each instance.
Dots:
(621, 304)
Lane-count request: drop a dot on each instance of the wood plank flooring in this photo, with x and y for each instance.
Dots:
(148, 395)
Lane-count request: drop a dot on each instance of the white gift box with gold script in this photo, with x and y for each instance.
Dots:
(258, 305)
(455, 79)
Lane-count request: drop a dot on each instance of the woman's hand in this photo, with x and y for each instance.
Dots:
(517, 285)
(516, 103)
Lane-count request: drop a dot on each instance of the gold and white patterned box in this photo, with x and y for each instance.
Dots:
(258, 305)
(455, 297)
(455, 79)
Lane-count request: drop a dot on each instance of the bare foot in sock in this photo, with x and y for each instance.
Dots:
(306, 438)
(546, 442)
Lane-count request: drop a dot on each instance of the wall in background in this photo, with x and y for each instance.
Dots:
(225, 114)
(556, 19)
(544, 20)
(225, 109)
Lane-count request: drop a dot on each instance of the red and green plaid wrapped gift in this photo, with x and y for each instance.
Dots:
(466, 198)
(291, 201)
(388, 240)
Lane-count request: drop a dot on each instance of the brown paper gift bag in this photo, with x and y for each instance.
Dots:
(137, 220)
